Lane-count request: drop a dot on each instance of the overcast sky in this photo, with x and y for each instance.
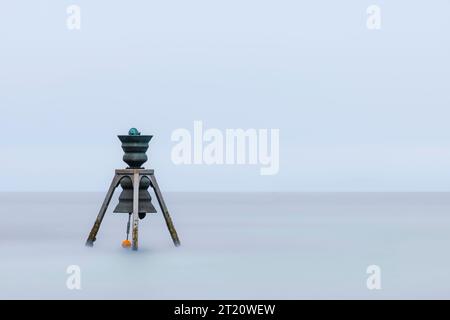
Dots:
(357, 109)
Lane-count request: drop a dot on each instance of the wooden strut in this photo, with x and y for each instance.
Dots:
(135, 175)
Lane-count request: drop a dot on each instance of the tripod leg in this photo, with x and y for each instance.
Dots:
(136, 182)
(162, 204)
(101, 214)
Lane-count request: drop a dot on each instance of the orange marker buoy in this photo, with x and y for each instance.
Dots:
(126, 243)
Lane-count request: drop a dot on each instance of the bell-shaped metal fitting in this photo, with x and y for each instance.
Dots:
(135, 147)
(126, 197)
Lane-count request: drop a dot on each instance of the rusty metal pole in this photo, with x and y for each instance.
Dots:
(162, 204)
(101, 214)
(136, 181)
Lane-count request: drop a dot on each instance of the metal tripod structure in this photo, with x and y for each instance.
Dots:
(135, 175)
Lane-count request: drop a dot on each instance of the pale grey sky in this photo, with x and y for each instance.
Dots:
(357, 110)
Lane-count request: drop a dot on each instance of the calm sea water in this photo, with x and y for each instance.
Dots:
(237, 246)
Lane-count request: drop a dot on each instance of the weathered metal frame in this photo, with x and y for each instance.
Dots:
(135, 175)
